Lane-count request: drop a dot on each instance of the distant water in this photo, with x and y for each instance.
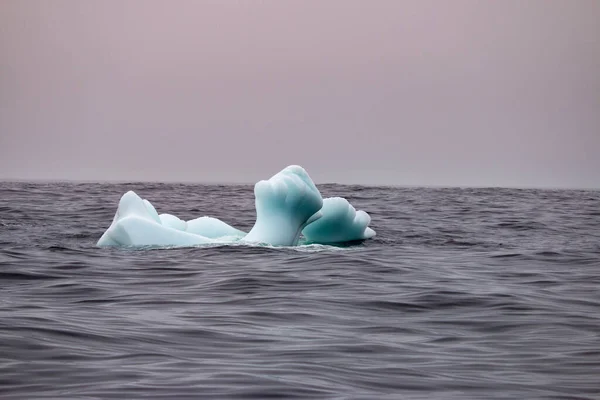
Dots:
(463, 294)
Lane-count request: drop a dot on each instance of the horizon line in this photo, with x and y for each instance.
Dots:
(232, 183)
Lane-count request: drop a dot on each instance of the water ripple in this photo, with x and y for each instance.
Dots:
(464, 294)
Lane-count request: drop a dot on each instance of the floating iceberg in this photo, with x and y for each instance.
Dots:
(287, 205)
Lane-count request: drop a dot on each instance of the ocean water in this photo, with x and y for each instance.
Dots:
(463, 294)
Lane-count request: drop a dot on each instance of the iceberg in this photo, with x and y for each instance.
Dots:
(288, 205)
(340, 223)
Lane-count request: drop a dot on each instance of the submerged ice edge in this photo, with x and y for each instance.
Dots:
(288, 205)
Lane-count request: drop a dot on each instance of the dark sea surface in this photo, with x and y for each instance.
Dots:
(463, 294)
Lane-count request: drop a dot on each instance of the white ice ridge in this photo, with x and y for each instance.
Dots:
(204, 226)
(213, 228)
(286, 205)
(340, 223)
(137, 223)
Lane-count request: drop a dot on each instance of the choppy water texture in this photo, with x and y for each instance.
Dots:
(463, 294)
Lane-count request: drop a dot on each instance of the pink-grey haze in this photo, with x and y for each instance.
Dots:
(403, 92)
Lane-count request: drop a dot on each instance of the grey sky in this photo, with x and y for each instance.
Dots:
(423, 92)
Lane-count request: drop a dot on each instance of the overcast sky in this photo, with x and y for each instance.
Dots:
(423, 92)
